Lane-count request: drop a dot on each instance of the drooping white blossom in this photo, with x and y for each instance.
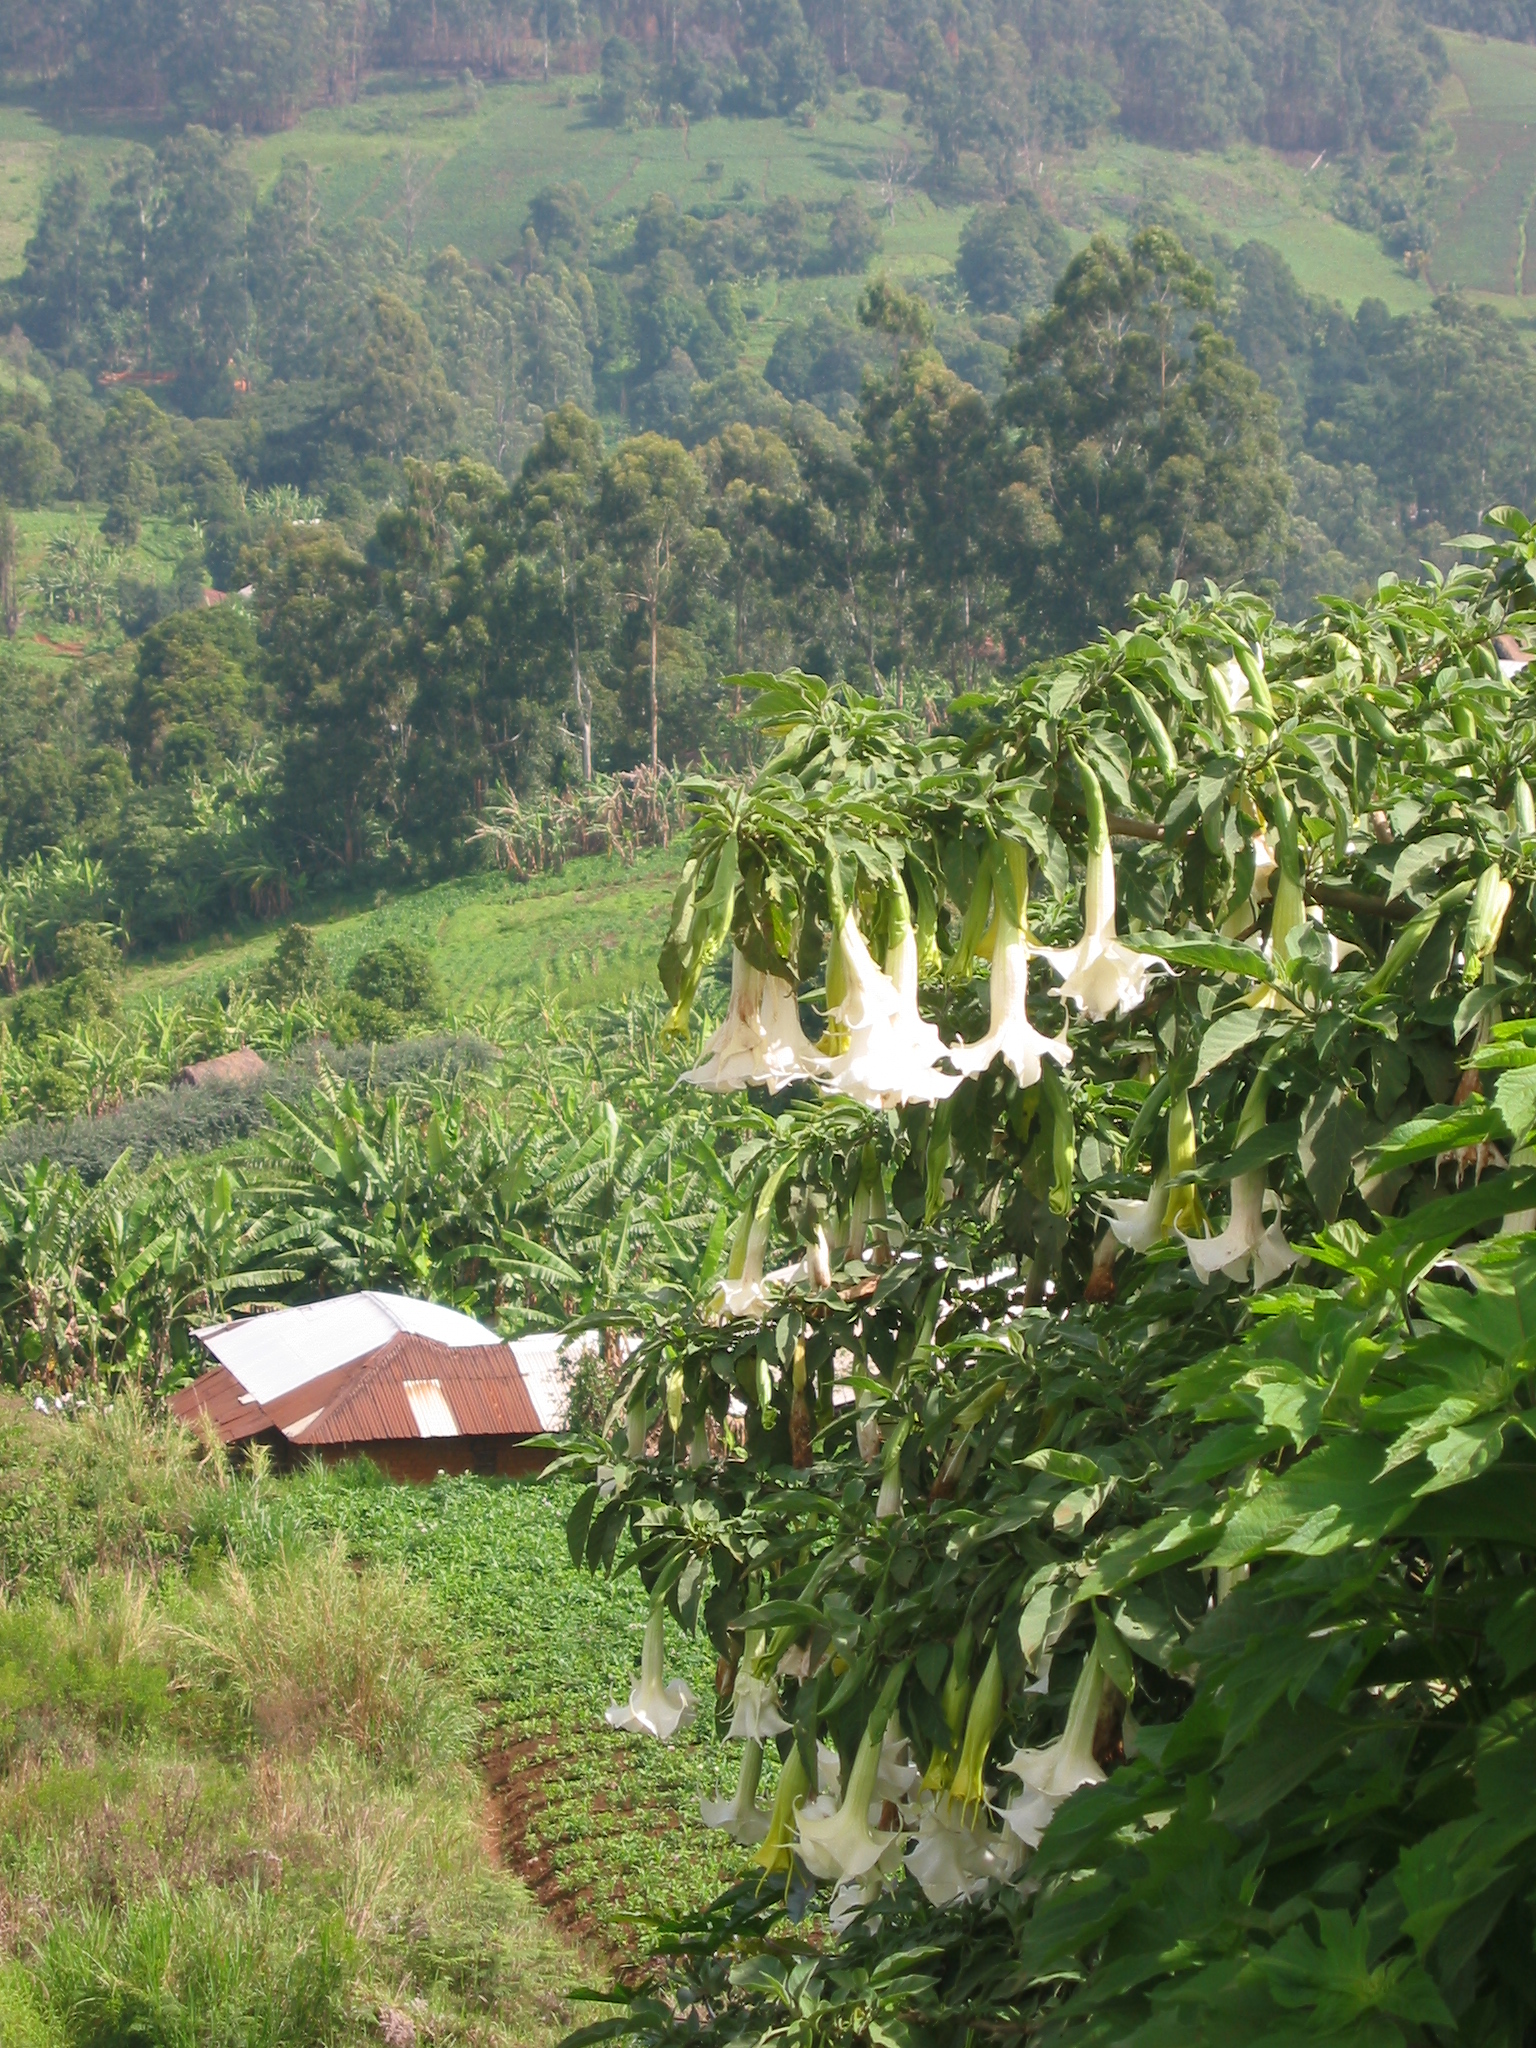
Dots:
(755, 1715)
(1140, 1224)
(1253, 1240)
(740, 1816)
(889, 1049)
(843, 1845)
(760, 1042)
(957, 1855)
(1050, 1775)
(1010, 1035)
(654, 1707)
(1102, 977)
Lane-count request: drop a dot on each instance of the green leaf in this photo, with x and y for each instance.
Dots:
(1230, 1033)
(1114, 1658)
(1420, 857)
(1473, 1122)
(1333, 1128)
(1220, 956)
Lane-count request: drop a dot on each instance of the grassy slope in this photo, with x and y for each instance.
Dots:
(236, 1794)
(586, 935)
(315, 1716)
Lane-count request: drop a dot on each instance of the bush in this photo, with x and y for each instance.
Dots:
(299, 966)
(401, 975)
(1010, 256)
(852, 237)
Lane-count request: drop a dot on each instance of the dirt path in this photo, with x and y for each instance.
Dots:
(516, 1774)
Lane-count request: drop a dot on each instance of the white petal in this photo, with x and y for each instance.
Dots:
(755, 1715)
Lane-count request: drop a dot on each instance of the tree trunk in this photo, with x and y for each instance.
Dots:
(583, 709)
(655, 709)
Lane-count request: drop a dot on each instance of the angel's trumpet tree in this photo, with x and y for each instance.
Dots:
(1102, 977)
(1010, 1036)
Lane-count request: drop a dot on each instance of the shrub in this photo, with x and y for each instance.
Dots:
(299, 966)
(401, 977)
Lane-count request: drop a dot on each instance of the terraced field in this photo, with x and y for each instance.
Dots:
(1488, 218)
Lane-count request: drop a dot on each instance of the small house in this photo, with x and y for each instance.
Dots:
(418, 1388)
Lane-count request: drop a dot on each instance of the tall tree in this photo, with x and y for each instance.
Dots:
(557, 501)
(651, 506)
(1140, 448)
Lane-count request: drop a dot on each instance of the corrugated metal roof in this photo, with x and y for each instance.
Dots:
(273, 1354)
(541, 1359)
(429, 1405)
(234, 1413)
(410, 1388)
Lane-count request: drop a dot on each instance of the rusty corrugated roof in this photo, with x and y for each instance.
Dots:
(366, 1401)
(234, 1413)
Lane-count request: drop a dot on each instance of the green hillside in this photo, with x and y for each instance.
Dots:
(586, 935)
(1485, 217)
(436, 168)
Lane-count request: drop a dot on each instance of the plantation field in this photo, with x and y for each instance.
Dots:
(586, 935)
(1486, 220)
(548, 1649)
(68, 579)
(1241, 193)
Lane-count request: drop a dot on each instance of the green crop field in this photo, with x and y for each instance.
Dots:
(64, 566)
(586, 935)
(1484, 231)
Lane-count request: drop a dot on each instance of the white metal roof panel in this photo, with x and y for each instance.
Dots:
(429, 1408)
(271, 1355)
(541, 1359)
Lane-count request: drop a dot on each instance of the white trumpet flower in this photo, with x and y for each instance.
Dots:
(957, 1856)
(654, 1707)
(755, 1715)
(1049, 1776)
(1100, 975)
(897, 1777)
(855, 1895)
(844, 1846)
(1139, 1225)
(1011, 1037)
(1248, 1242)
(760, 1043)
(889, 1048)
(740, 1815)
